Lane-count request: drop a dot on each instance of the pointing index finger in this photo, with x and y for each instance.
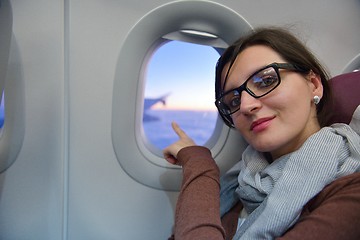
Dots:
(178, 130)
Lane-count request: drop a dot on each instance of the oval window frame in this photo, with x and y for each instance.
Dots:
(12, 86)
(136, 158)
(13, 131)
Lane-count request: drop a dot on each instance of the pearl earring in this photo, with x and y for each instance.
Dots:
(316, 100)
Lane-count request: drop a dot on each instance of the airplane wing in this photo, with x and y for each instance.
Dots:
(149, 102)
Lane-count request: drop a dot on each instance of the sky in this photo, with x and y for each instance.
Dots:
(187, 72)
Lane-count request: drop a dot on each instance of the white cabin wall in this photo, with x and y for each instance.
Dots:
(31, 190)
(66, 182)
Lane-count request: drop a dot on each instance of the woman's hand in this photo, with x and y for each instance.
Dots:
(170, 152)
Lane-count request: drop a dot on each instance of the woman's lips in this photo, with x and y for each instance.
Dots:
(261, 124)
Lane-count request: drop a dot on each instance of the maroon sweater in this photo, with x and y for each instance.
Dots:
(333, 214)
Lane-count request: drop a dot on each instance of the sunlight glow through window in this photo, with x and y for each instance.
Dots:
(180, 87)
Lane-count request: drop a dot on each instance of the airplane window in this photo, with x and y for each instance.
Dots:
(180, 87)
(169, 56)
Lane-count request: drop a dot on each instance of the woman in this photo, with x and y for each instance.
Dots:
(298, 179)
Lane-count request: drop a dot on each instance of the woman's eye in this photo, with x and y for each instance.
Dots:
(266, 81)
(235, 101)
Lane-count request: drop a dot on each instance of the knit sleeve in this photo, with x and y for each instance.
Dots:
(198, 207)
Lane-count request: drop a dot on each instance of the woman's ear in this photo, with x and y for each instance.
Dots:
(315, 84)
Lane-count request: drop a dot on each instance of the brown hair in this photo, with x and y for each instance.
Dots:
(289, 48)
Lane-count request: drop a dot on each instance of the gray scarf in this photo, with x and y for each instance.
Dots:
(274, 194)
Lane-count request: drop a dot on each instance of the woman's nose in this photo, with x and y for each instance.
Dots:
(249, 103)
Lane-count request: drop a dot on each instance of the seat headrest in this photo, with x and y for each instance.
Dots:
(346, 96)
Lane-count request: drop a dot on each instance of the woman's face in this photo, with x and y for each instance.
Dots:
(281, 121)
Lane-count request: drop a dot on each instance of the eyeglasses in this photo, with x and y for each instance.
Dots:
(259, 84)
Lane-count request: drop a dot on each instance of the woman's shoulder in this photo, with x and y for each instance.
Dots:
(333, 214)
(340, 191)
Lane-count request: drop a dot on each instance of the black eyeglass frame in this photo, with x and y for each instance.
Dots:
(276, 66)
